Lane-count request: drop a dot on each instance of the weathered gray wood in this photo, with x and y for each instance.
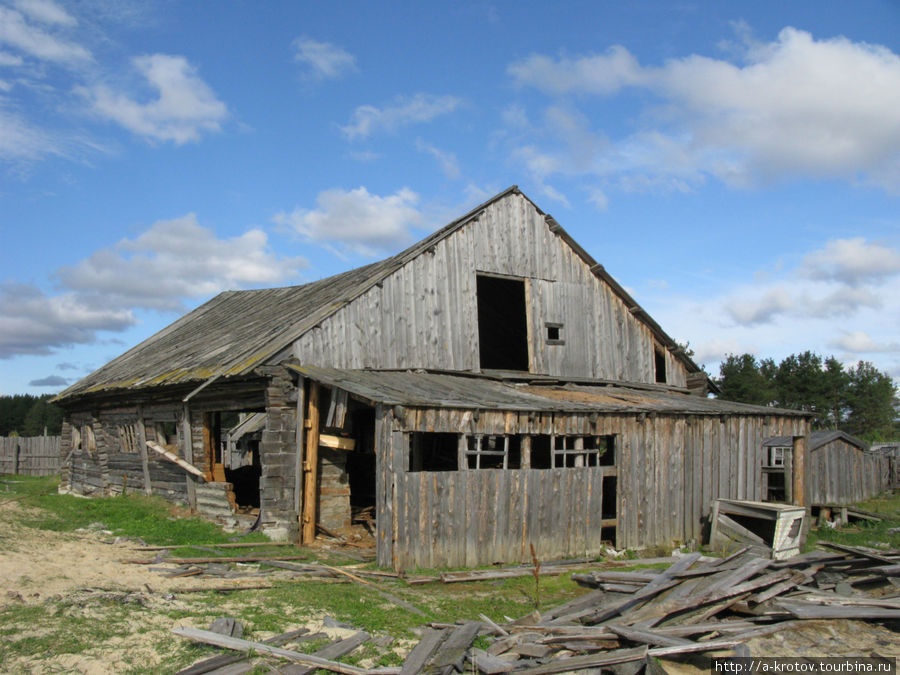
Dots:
(452, 652)
(647, 637)
(209, 637)
(489, 664)
(572, 663)
(332, 651)
(422, 652)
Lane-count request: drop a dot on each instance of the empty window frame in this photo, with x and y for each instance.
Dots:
(493, 452)
(502, 323)
(581, 451)
(659, 365)
(88, 439)
(430, 451)
(554, 333)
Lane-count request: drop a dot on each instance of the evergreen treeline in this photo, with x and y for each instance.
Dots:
(860, 400)
(27, 415)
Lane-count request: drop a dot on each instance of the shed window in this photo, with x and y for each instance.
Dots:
(493, 452)
(430, 451)
(776, 456)
(554, 334)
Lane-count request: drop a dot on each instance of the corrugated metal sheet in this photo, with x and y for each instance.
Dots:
(443, 390)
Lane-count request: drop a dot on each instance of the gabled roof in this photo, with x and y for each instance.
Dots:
(210, 342)
(817, 439)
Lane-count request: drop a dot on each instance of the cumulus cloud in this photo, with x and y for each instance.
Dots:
(356, 220)
(763, 309)
(795, 106)
(184, 109)
(35, 323)
(177, 259)
(323, 60)
(367, 119)
(852, 261)
(16, 32)
(49, 381)
(859, 341)
(171, 261)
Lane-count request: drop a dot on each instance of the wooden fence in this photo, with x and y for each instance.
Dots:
(30, 455)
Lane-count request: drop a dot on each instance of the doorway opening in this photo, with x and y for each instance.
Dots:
(502, 323)
(231, 453)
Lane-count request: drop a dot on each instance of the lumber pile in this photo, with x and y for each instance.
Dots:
(694, 605)
(630, 618)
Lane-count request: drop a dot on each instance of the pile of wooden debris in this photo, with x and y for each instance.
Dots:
(697, 604)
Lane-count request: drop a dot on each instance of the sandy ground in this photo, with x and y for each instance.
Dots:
(39, 566)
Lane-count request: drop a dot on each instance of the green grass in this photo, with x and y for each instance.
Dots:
(863, 533)
(153, 519)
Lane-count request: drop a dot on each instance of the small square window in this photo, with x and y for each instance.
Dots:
(554, 334)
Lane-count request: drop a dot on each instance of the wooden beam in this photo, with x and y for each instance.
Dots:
(172, 458)
(798, 476)
(336, 442)
(310, 466)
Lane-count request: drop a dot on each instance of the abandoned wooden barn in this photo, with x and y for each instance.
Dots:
(840, 469)
(489, 388)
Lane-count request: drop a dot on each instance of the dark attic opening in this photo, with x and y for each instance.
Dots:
(659, 365)
(502, 323)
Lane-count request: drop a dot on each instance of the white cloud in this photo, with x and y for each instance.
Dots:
(183, 110)
(17, 33)
(46, 11)
(21, 141)
(324, 61)
(34, 323)
(859, 341)
(356, 220)
(447, 160)
(367, 119)
(750, 310)
(49, 381)
(599, 74)
(796, 106)
(7, 59)
(852, 261)
(177, 259)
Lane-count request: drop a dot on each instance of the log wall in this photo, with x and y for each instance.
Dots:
(30, 455)
(841, 473)
(425, 314)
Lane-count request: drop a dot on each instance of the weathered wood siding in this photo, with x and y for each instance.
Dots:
(30, 455)
(669, 470)
(425, 315)
(841, 473)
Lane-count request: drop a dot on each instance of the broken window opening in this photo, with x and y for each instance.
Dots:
(581, 451)
(493, 452)
(502, 323)
(128, 443)
(610, 497)
(167, 435)
(430, 451)
(659, 363)
(541, 457)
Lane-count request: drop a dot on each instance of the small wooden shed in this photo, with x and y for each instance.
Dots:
(841, 468)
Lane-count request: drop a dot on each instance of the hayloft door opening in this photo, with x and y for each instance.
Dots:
(502, 323)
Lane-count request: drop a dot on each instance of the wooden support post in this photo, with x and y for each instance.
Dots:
(142, 444)
(188, 452)
(798, 473)
(310, 466)
(15, 458)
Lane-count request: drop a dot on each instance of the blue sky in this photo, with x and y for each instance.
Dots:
(735, 165)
